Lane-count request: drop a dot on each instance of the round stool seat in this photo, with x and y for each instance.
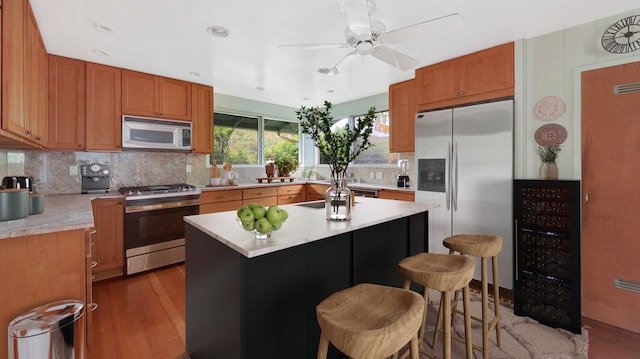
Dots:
(479, 245)
(369, 320)
(441, 272)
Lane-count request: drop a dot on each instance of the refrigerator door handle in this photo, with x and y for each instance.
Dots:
(447, 188)
(454, 179)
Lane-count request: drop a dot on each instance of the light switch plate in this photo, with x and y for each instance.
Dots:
(188, 168)
(378, 175)
(73, 170)
(371, 176)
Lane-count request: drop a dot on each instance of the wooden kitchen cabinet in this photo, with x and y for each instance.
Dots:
(483, 75)
(291, 194)
(108, 248)
(266, 196)
(402, 113)
(24, 78)
(155, 96)
(315, 191)
(40, 269)
(220, 200)
(202, 119)
(397, 195)
(66, 103)
(104, 115)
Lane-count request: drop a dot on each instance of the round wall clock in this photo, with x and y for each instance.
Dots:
(623, 36)
(548, 108)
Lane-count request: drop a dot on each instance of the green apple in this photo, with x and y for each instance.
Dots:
(246, 215)
(263, 225)
(259, 211)
(240, 210)
(276, 225)
(249, 226)
(283, 214)
(273, 214)
(253, 205)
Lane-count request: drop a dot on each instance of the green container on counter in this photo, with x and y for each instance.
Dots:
(14, 204)
(36, 204)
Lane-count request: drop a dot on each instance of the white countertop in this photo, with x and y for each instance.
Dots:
(324, 182)
(304, 225)
(61, 213)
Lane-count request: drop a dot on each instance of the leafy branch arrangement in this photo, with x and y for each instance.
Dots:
(548, 154)
(336, 146)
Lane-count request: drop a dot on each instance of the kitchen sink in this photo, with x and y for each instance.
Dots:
(314, 204)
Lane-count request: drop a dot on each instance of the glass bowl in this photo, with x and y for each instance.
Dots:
(257, 234)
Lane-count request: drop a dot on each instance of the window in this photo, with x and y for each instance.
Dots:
(378, 153)
(247, 140)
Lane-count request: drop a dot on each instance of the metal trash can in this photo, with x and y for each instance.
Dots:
(50, 331)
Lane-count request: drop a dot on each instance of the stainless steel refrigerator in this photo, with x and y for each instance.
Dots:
(464, 165)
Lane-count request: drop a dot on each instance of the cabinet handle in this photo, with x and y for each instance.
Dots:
(94, 264)
(39, 138)
(29, 132)
(92, 232)
(586, 197)
(93, 277)
(93, 306)
(461, 93)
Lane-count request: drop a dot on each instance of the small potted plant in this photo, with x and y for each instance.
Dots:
(285, 166)
(548, 155)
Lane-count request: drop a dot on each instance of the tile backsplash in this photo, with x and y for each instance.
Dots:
(51, 170)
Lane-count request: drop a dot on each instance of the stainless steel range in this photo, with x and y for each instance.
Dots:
(154, 225)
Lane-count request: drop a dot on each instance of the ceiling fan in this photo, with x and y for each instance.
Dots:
(368, 37)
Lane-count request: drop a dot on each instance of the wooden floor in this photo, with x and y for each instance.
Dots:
(143, 316)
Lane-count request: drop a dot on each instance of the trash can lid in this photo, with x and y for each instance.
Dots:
(45, 318)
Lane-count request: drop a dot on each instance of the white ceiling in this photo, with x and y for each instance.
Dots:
(169, 38)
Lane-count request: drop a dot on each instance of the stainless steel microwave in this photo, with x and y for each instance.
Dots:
(155, 134)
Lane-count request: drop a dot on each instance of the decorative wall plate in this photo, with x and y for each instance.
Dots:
(551, 135)
(548, 108)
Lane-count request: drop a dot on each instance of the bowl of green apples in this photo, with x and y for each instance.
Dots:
(260, 220)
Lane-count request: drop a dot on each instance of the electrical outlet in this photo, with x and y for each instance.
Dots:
(378, 175)
(73, 170)
(371, 175)
(188, 168)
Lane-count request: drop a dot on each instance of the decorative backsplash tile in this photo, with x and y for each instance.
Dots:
(50, 170)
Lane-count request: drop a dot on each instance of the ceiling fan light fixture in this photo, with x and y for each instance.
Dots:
(218, 31)
(327, 71)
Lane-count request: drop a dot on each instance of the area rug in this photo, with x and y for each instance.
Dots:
(522, 337)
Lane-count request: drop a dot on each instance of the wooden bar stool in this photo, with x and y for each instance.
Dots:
(444, 273)
(483, 246)
(370, 321)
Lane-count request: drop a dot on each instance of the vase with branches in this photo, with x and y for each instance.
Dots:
(548, 155)
(339, 148)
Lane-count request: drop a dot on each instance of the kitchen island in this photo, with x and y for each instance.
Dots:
(248, 298)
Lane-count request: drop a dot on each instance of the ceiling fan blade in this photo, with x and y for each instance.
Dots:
(394, 58)
(357, 14)
(450, 23)
(315, 46)
(344, 62)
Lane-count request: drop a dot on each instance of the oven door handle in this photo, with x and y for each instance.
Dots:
(163, 205)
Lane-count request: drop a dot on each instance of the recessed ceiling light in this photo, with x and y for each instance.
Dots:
(260, 88)
(103, 28)
(102, 52)
(330, 91)
(218, 31)
(305, 99)
(193, 73)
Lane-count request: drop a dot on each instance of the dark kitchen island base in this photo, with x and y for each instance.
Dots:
(264, 307)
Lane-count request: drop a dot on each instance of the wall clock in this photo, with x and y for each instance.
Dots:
(623, 36)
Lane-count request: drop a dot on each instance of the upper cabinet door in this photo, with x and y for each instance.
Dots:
(13, 66)
(66, 103)
(488, 70)
(155, 96)
(104, 115)
(438, 82)
(139, 94)
(175, 99)
(402, 113)
(202, 127)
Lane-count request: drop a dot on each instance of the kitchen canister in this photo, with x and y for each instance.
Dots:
(14, 204)
(36, 204)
